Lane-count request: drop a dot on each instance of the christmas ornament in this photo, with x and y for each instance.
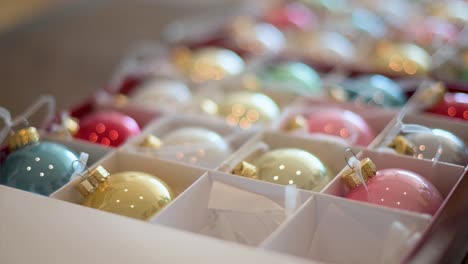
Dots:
(392, 187)
(365, 21)
(293, 77)
(287, 166)
(452, 105)
(36, 166)
(291, 16)
(431, 30)
(161, 93)
(454, 11)
(256, 38)
(426, 145)
(194, 145)
(209, 63)
(134, 194)
(247, 108)
(107, 128)
(374, 89)
(341, 123)
(330, 47)
(402, 59)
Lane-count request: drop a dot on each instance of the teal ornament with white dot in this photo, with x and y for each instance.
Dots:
(376, 90)
(293, 77)
(40, 167)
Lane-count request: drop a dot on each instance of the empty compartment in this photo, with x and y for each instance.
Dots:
(334, 230)
(231, 208)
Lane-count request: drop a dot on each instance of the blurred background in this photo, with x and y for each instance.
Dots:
(70, 48)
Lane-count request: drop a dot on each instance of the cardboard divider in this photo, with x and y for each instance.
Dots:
(334, 230)
(178, 177)
(329, 151)
(235, 137)
(443, 176)
(197, 201)
(377, 118)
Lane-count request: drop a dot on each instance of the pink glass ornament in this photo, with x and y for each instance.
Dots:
(107, 128)
(293, 15)
(453, 105)
(399, 189)
(342, 123)
(432, 29)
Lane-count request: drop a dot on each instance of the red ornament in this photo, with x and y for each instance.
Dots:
(107, 128)
(293, 15)
(399, 189)
(453, 105)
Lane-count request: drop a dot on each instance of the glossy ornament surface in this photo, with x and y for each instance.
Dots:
(161, 93)
(257, 38)
(108, 128)
(41, 167)
(292, 15)
(292, 77)
(426, 145)
(402, 59)
(134, 194)
(211, 64)
(399, 189)
(375, 90)
(453, 105)
(341, 123)
(247, 108)
(292, 166)
(325, 46)
(196, 145)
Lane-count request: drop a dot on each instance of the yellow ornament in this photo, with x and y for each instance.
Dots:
(210, 63)
(288, 166)
(402, 59)
(248, 108)
(134, 194)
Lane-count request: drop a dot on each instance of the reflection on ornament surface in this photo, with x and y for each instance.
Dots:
(452, 105)
(107, 128)
(196, 145)
(41, 167)
(402, 59)
(134, 194)
(341, 123)
(161, 93)
(399, 189)
(245, 109)
(292, 166)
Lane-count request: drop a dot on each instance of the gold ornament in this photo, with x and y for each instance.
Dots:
(134, 194)
(402, 58)
(287, 166)
(431, 96)
(72, 125)
(207, 64)
(248, 108)
(368, 170)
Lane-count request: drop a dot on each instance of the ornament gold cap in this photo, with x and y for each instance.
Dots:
(245, 169)
(368, 170)
(295, 123)
(182, 58)
(23, 137)
(72, 125)
(94, 180)
(151, 142)
(402, 145)
(432, 95)
(120, 100)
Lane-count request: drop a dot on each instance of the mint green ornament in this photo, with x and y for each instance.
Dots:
(293, 77)
(34, 166)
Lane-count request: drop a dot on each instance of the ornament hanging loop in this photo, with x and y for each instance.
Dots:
(83, 164)
(347, 152)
